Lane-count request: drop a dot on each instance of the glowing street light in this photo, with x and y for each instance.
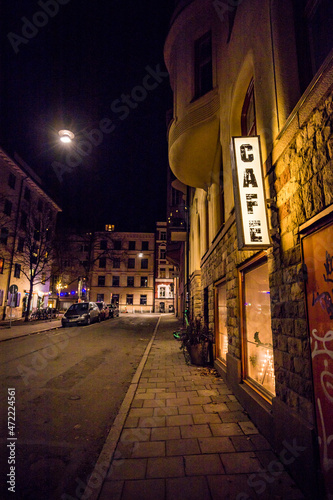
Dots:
(66, 136)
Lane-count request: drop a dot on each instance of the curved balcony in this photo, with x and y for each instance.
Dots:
(194, 142)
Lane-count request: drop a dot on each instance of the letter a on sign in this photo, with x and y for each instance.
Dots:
(250, 202)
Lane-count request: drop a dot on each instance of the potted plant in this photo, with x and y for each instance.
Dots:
(196, 343)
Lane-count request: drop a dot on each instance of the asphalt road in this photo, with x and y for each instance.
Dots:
(67, 386)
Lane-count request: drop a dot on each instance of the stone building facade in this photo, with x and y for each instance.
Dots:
(262, 69)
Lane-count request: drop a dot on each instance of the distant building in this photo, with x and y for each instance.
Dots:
(109, 266)
(164, 273)
(20, 195)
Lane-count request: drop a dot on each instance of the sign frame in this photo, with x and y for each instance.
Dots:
(251, 149)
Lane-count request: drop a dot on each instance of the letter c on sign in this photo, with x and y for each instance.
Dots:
(244, 150)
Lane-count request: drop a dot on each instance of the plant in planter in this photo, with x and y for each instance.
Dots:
(196, 343)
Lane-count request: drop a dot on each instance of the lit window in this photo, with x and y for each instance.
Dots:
(221, 323)
(203, 65)
(143, 300)
(162, 291)
(2, 265)
(144, 281)
(257, 340)
(129, 299)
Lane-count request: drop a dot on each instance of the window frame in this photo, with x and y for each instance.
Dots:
(201, 88)
(249, 97)
(100, 280)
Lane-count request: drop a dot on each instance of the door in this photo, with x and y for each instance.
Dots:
(318, 258)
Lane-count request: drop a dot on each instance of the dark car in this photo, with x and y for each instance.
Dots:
(82, 313)
(114, 310)
(104, 310)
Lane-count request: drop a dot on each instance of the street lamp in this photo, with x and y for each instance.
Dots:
(66, 136)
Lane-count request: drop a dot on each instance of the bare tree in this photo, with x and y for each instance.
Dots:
(35, 256)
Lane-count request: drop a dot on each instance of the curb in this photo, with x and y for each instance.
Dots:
(112, 439)
(48, 329)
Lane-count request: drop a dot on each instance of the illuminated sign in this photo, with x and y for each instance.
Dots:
(250, 202)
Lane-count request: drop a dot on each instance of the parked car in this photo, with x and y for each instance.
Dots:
(114, 310)
(82, 313)
(104, 310)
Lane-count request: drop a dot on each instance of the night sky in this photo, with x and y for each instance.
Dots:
(90, 66)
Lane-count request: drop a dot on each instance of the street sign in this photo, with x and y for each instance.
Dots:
(13, 289)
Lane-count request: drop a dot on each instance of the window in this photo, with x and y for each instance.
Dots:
(162, 291)
(203, 65)
(84, 248)
(131, 245)
(145, 245)
(162, 272)
(17, 271)
(27, 194)
(144, 281)
(102, 262)
(2, 265)
(143, 300)
(4, 235)
(24, 219)
(257, 342)
(100, 297)
(162, 253)
(115, 280)
(221, 323)
(115, 298)
(11, 181)
(163, 235)
(130, 280)
(131, 264)
(20, 244)
(103, 245)
(43, 280)
(8, 207)
(101, 281)
(117, 244)
(144, 263)
(40, 205)
(129, 299)
(116, 263)
(248, 118)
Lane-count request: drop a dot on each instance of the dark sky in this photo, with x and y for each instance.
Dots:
(72, 64)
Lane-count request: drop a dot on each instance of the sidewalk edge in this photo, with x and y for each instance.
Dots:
(106, 455)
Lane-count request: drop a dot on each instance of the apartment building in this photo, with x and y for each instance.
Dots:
(165, 282)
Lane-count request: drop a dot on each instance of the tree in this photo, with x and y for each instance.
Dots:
(35, 256)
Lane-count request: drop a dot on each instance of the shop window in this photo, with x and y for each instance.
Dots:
(144, 281)
(221, 323)
(101, 281)
(248, 118)
(130, 280)
(115, 280)
(257, 342)
(129, 299)
(203, 65)
(143, 300)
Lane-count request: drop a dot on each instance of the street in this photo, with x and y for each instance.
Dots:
(68, 385)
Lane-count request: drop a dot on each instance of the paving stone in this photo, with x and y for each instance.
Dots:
(206, 418)
(149, 489)
(226, 429)
(238, 463)
(190, 409)
(215, 407)
(138, 403)
(146, 395)
(154, 403)
(141, 412)
(131, 435)
(232, 486)
(177, 402)
(156, 391)
(233, 416)
(216, 445)
(220, 399)
(111, 490)
(186, 394)
(182, 447)
(151, 422)
(195, 431)
(148, 449)
(178, 420)
(165, 384)
(235, 407)
(199, 400)
(131, 422)
(282, 488)
(248, 427)
(163, 412)
(128, 469)
(206, 392)
(187, 488)
(242, 443)
(197, 465)
(165, 433)
(167, 395)
(260, 442)
(165, 467)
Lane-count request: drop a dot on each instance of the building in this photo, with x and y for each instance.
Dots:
(107, 266)
(165, 280)
(260, 233)
(27, 219)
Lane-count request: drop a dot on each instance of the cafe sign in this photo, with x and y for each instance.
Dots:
(250, 202)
